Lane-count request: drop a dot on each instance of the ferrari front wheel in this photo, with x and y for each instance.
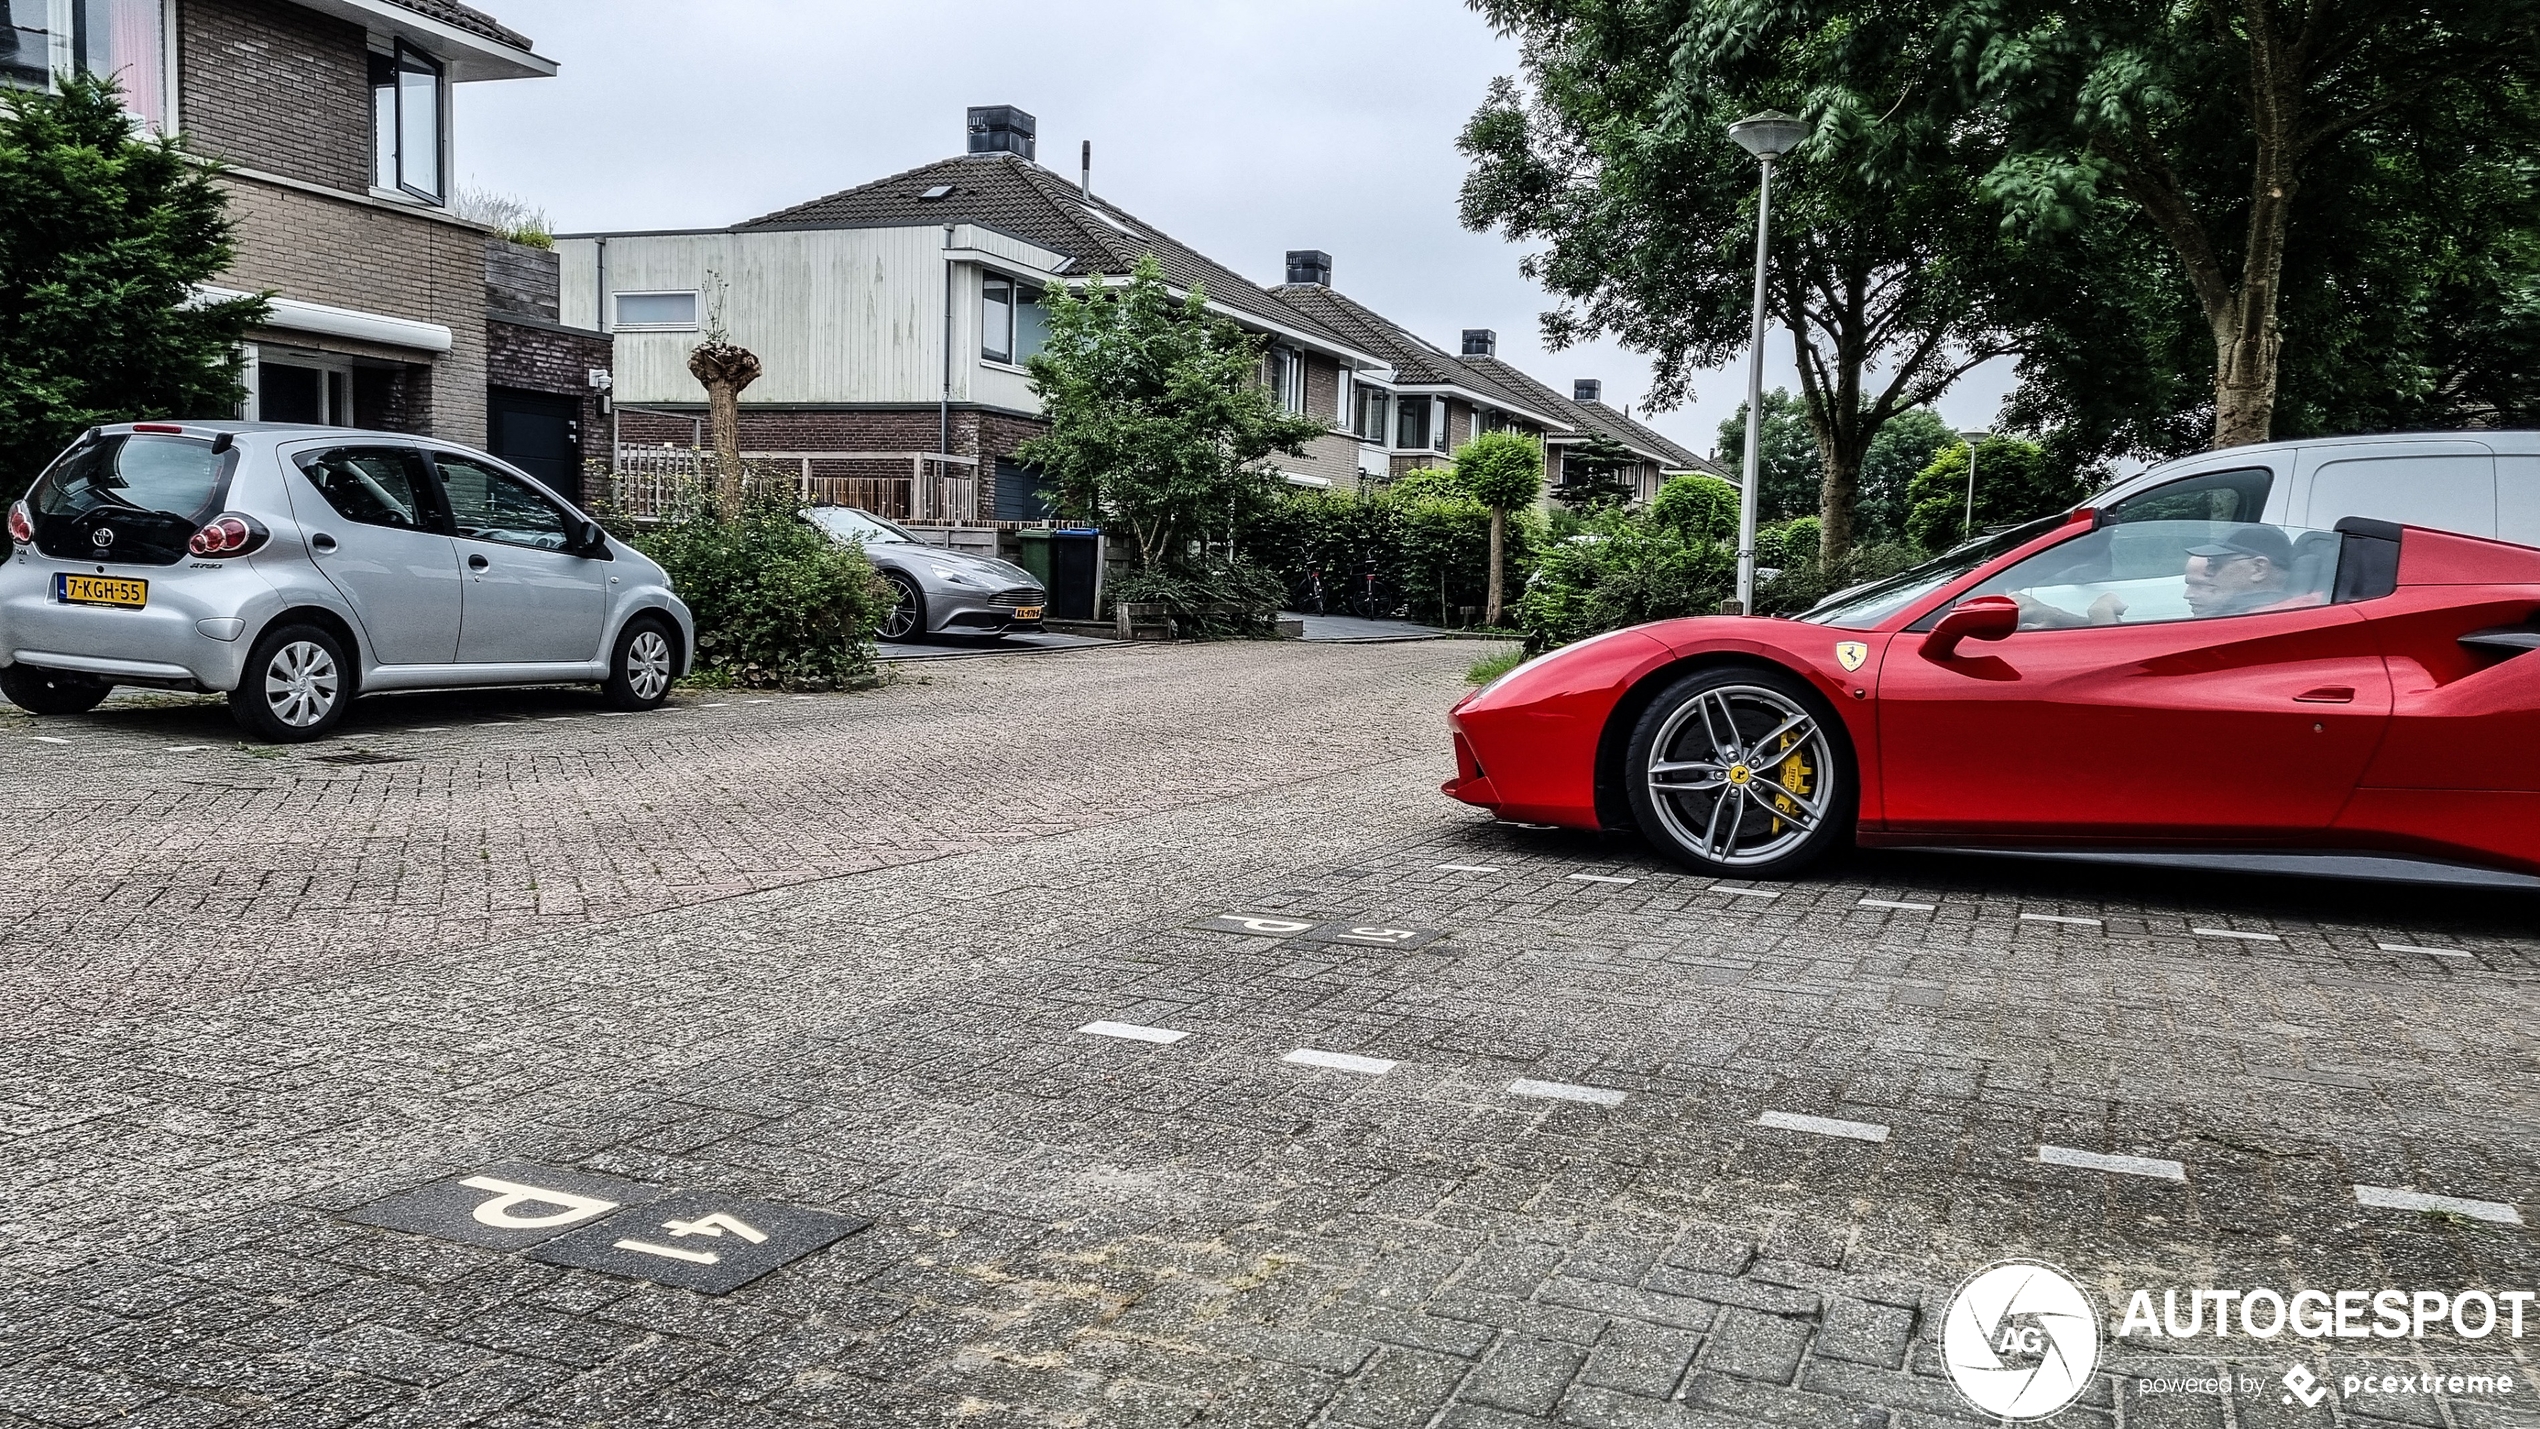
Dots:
(1741, 771)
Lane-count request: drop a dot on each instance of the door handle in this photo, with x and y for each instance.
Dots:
(479, 563)
(321, 542)
(2327, 695)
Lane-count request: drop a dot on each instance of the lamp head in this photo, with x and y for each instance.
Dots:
(1768, 135)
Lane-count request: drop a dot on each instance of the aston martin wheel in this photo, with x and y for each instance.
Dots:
(906, 619)
(1741, 771)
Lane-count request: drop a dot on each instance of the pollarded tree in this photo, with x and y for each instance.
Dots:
(1504, 471)
(724, 369)
(105, 236)
(1159, 423)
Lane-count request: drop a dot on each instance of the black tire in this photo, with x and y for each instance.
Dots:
(643, 664)
(52, 692)
(906, 620)
(1708, 729)
(297, 685)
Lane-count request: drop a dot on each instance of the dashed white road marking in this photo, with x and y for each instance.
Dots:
(2059, 918)
(1891, 903)
(1743, 892)
(1823, 1126)
(1133, 1032)
(2429, 952)
(2236, 933)
(2391, 1198)
(758, 702)
(1465, 867)
(2152, 1166)
(556, 719)
(1599, 878)
(430, 729)
(1340, 1062)
(1565, 1092)
(725, 705)
(187, 748)
(47, 739)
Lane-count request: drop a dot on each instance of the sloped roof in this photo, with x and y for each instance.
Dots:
(1598, 418)
(466, 17)
(1016, 197)
(1415, 363)
(1670, 456)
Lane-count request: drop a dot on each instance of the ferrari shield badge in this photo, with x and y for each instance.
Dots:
(1850, 653)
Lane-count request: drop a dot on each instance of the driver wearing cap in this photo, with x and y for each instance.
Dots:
(2250, 569)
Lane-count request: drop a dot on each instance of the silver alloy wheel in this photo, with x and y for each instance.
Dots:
(301, 683)
(1741, 774)
(648, 664)
(904, 615)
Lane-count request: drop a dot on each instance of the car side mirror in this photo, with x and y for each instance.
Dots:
(1985, 617)
(590, 540)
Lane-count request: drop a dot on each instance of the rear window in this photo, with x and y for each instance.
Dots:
(128, 498)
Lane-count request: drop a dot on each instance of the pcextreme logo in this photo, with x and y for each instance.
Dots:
(2020, 1339)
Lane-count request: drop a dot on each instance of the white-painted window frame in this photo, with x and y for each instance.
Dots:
(617, 323)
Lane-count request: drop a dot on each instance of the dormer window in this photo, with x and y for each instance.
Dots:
(407, 119)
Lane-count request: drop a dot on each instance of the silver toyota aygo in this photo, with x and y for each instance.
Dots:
(295, 568)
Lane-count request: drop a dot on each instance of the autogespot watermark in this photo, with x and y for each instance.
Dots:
(2021, 1339)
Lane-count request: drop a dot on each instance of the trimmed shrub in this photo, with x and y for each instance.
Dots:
(1787, 543)
(778, 604)
(1427, 542)
(1625, 569)
(1695, 507)
(1217, 597)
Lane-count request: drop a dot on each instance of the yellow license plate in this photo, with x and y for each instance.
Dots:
(1027, 612)
(101, 590)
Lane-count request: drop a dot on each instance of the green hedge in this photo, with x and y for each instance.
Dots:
(778, 604)
(1623, 568)
(1430, 543)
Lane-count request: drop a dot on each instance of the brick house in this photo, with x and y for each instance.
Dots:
(333, 119)
(895, 317)
(1430, 401)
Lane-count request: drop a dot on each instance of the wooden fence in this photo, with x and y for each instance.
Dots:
(655, 483)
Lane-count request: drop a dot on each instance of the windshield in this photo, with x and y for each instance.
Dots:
(848, 524)
(1864, 606)
(2141, 572)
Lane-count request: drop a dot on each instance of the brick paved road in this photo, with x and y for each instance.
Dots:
(834, 953)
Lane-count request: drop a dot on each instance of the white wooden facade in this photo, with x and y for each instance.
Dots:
(836, 315)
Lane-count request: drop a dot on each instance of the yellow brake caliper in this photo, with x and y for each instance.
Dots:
(1796, 776)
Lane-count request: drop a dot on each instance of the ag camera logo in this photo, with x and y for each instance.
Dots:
(2020, 1339)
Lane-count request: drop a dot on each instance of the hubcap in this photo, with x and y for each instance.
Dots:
(648, 665)
(301, 683)
(1741, 774)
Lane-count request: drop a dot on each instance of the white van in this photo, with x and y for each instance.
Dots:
(2476, 483)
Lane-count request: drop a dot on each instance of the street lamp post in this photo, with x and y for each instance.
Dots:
(1973, 440)
(1767, 136)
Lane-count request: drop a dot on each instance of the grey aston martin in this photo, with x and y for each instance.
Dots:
(941, 592)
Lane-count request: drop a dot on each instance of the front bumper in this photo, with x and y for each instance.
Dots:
(962, 612)
(175, 640)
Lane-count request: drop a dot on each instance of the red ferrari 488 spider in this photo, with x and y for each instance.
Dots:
(2082, 681)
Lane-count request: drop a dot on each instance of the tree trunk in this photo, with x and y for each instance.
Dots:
(1498, 536)
(1837, 496)
(723, 369)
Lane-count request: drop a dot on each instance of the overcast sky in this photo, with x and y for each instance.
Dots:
(1242, 127)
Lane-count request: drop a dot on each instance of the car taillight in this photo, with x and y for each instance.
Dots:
(21, 525)
(228, 534)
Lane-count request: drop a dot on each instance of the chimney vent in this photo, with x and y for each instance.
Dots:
(1587, 389)
(1308, 265)
(1002, 129)
(1480, 342)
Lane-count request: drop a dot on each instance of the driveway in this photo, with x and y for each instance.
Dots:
(1019, 1009)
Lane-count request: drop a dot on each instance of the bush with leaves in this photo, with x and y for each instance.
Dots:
(1214, 597)
(1426, 539)
(1696, 505)
(778, 604)
(1623, 570)
(1806, 580)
